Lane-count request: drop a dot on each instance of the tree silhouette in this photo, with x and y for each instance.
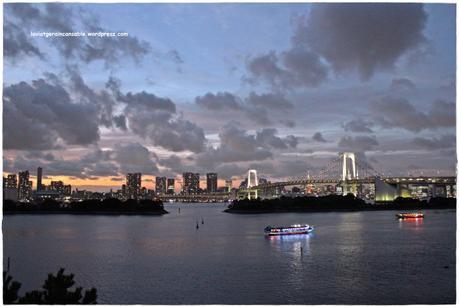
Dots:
(56, 290)
(32, 297)
(10, 289)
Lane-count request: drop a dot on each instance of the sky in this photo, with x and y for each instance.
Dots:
(281, 88)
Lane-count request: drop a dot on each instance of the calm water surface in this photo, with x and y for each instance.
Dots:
(352, 258)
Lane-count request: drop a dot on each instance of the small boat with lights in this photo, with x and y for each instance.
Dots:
(416, 215)
(288, 230)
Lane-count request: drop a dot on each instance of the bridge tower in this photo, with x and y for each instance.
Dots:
(349, 172)
(251, 183)
(346, 169)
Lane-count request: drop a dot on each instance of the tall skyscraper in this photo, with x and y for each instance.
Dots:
(170, 186)
(211, 182)
(39, 178)
(161, 185)
(24, 186)
(191, 183)
(133, 185)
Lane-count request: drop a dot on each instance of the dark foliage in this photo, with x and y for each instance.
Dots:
(56, 290)
(329, 202)
(10, 289)
(333, 203)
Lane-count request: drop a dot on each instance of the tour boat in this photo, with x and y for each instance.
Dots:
(416, 215)
(288, 230)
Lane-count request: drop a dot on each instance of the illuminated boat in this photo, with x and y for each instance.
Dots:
(410, 215)
(288, 230)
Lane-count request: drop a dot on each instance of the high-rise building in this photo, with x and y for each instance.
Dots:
(10, 187)
(39, 178)
(67, 191)
(57, 186)
(211, 182)
(170, 186)
(11, 181)
(191, 183)
(161, 186)
(24, 186)
(61, 188)
(133, 185)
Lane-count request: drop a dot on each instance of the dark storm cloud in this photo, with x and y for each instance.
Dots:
(16, 43)
(267, 137)
(269, 100)
(445, 141)
(94, 163)
(135, 158)
(60, 167)
(363, 36)
(236, 145)
(120, 122)
(48, 113)
(255, 107)
(180, 135)
(305, 67)
(37, 154)
(266, 67)
(358, 125)
(402, 84)
(296, 67)
(228, 170)
(173, 162)
(392, 112)
(36, 115)
(56, 17)
(123, 159)
(219, 101)
(155, 118)
(102, 100)
(148, 101)
(358, 143)
(163, 127)
(294, 168)
(288, 123)
(318, 137)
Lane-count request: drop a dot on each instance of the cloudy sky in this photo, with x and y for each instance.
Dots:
(226, 87)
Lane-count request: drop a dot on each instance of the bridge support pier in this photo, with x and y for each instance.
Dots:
(352, 188)
(252, 194)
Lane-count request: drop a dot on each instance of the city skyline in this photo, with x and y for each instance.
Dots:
(161, 185)
(241, 86)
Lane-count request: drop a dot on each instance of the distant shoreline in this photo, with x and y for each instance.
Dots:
(117, 213)
(235, 211)
(333, 203)
(108, 206)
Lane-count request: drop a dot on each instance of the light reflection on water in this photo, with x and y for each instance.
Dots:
(414, 223)
(349, 258)
(297, 244)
